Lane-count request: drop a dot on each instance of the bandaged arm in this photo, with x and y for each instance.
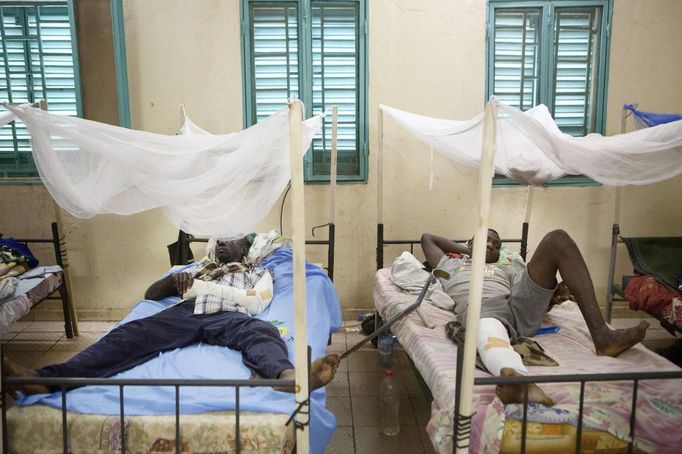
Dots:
(255, 300)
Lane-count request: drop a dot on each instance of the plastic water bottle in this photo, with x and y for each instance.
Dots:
(388, 404)
(385, 348)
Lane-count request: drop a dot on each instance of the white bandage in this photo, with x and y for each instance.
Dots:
(254, 300)
(495, 348)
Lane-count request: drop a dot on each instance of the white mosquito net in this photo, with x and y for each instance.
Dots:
(531, 149)
(213, 185)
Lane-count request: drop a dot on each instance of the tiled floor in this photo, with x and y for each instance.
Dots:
(352, 396)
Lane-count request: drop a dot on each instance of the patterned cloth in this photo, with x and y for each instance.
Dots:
(237, 275)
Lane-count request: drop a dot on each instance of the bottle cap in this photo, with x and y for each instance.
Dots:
(389, 373)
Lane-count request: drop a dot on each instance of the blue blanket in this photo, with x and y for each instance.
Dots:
(201, 361)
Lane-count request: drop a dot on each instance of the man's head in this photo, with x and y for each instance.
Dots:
(228, 251)
(493, 245)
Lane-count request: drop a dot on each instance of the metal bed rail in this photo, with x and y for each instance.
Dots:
(330, 242)
(70, 383)
(462, 423)
(382, 242)
(67, 383)
(60, 254)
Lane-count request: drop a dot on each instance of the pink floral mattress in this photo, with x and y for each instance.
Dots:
(607, 404)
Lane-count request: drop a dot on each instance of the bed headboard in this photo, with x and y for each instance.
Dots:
(185, 239)
(382, 242)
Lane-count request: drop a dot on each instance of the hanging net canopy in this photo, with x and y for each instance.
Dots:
(531, 149)
(647, 119)
(212, 185)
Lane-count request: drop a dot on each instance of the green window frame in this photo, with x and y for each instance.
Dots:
(554, 53)
(38, 60)
(316, 51)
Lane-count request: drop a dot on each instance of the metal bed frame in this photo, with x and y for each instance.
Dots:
(616, 239)
(61, 258)
(329, 242)
(69, 383)
(462, 423)
(382, 242)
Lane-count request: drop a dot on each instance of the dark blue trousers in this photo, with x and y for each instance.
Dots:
(262, 348)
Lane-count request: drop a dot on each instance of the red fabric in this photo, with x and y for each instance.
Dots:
(647, 294)
(455, 255)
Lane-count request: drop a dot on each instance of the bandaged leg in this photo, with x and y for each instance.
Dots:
(495, 348)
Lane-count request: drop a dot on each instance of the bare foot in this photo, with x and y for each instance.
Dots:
(13, 369)
(322, 372)
(513, 394)
(619, 340)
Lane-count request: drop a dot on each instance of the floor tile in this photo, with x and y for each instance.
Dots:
(28, 346)
(370, 440)
(366, 411)
(364, 361)
(336, 348)
(343, 366)
(53, 357)
(24, 358)
(8, 336)
(421, 409)
(99, 327)
(354, 338)
(18, 327)
(342, 442)
(339, 386)
(367, 383)
(38, 336)
(77, 343)
(411, 382)
(341, 408)
(45, 327)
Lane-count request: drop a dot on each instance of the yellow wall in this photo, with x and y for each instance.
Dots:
(425, 57)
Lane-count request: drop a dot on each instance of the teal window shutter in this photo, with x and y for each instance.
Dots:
(553, 53)
(313, 50)
(335, 82)
(516, 57)
(37, 62)
(274, 63)
(576, 62)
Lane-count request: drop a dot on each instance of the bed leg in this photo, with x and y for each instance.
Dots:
(64, 295)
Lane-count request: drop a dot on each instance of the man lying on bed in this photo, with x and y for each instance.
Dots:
(219, 301)
(515, 302)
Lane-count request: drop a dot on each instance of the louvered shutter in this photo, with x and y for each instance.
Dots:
(335, 81)
(274, 51)
(37, 62)
(516, 57)
(577, 37)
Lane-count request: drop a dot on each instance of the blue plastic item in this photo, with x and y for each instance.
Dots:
(650, 118)
(547, 330)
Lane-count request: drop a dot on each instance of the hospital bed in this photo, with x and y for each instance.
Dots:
(658, 257)
(39, 284)
(205, 401)
(609, 417)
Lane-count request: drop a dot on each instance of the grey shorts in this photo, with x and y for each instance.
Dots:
(521, 312)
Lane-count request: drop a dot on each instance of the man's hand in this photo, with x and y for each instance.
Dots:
(562, 293)
(182, 281)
